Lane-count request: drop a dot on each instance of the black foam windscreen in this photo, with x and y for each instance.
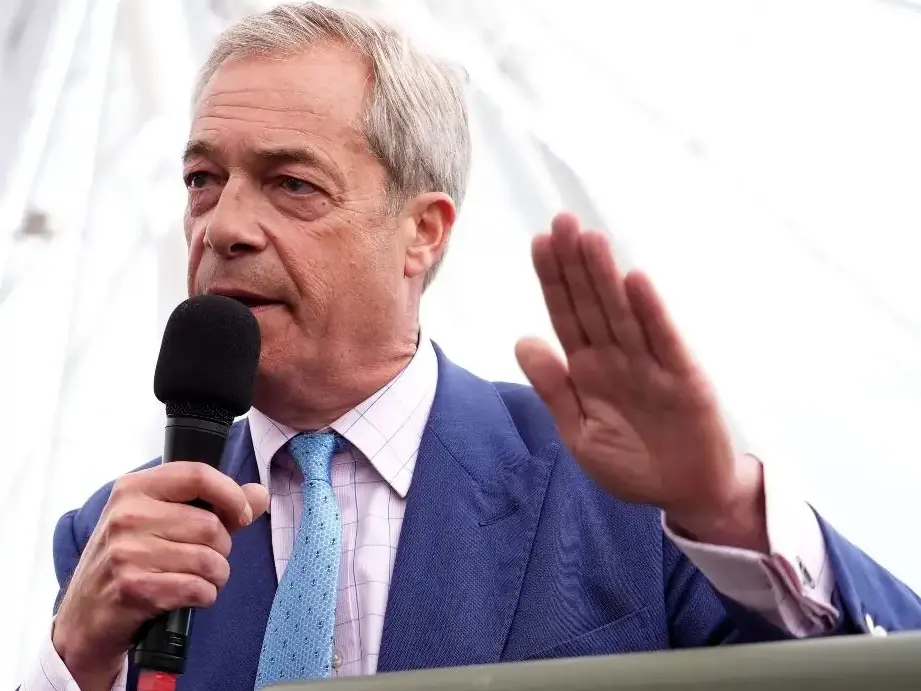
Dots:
(208, 359)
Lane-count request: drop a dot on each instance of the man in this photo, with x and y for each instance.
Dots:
(472, 522)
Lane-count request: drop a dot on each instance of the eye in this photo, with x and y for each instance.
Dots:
(197, 179)
(295, 185)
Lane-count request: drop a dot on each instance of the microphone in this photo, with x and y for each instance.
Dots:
(205, 375)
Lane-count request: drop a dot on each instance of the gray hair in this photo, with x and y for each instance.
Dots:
(416, 119)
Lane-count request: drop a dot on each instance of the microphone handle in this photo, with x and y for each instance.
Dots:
(162, 643)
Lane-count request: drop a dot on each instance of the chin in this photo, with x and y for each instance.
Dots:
(276, 326)
(266, 389)
(280, 363)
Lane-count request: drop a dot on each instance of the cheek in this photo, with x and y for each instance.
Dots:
(369, 267)
(307, 266)
(341, 261)
(188, 228)
(195, 244)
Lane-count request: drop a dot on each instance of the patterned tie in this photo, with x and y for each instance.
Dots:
(298, 642)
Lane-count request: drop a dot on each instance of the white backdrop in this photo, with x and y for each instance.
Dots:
(760, 159)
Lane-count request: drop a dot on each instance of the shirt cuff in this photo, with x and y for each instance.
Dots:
(792, 586)
(49, 673)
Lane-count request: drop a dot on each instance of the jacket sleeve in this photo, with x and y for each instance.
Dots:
(871, 599)
(868, 598)
(66, 554)
(699, 616)
(48, 672)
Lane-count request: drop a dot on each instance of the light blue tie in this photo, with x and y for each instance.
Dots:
(298, 641)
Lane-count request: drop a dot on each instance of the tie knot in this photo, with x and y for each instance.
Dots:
(313, 453)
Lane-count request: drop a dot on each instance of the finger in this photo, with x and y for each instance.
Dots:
(157, 555)
(608, 281)
(564, 239)
(258, 497)
(195, 560)
(178, 523)
(556, 295)
(550, 378)
(660, 331)
(183, 481)
(164, 592)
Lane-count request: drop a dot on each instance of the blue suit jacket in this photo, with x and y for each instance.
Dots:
(508, 552)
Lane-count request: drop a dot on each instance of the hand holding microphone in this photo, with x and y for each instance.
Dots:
(152, 551)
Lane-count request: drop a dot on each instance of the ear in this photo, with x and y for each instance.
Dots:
(427, 221)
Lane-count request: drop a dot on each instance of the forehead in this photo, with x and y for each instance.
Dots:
(316, 97)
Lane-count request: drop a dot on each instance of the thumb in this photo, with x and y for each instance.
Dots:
(258, 498)
(549, 376)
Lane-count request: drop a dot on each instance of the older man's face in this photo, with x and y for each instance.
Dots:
(286, 208)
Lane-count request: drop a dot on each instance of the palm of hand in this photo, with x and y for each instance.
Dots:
(632, 406)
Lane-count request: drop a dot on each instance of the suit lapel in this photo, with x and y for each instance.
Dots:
(471, 516)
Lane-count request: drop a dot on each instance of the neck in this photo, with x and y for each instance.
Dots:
(321, 394)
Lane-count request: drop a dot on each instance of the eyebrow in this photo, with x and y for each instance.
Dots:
(270, 156)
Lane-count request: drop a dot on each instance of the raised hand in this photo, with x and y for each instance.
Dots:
(634, 408)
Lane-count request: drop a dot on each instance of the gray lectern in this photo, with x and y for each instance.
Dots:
(850, 663)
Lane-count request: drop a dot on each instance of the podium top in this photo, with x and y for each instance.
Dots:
(847, 663)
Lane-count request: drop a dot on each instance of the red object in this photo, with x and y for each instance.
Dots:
(149, 680)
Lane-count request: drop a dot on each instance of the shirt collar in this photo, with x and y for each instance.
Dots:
(386, 428)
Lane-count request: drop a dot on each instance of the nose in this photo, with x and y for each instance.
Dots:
(233, 228)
